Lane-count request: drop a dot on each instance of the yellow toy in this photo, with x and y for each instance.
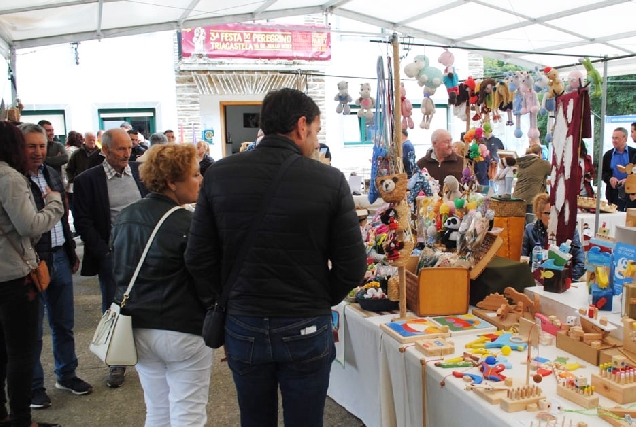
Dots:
(555, 83)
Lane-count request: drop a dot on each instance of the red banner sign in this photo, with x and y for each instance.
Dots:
(256, 41)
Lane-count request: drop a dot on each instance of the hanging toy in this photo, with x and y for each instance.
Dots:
(593, 77)
(365, 102)
(530, 103)
(514, 84)
(407, 109)
(450, 79)
(343, 98)
(502, 100)
(428, 109)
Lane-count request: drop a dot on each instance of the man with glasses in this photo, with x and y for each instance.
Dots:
(614, 179)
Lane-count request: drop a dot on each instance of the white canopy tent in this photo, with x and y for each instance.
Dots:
(592, 28)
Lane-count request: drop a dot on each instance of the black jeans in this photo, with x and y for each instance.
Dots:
(18, 333)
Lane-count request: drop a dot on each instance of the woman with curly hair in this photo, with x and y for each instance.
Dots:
(167, 316)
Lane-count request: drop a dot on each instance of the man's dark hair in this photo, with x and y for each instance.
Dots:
(44, 122)
(633, 125)
(13, 147)
(166, 131)
(282, 108)
(132, 132)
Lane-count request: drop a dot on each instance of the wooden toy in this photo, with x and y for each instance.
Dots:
(435, 347)
(616, 416)
(490, 394)
(588, 340)
(520, 298)
(411, 330)
(463, 324)
(518, 398)
(578, 391)
(616, 381)
(514, 343)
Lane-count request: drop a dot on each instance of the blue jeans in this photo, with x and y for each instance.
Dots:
(58, 300)
(106, 281)
(295, 353)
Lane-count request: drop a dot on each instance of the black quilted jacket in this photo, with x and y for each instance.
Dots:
(311, 221)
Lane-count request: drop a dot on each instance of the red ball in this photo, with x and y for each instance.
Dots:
(537, 378)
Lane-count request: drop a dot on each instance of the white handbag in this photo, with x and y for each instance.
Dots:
(113, 341)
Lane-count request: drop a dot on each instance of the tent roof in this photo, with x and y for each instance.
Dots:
(565, 27)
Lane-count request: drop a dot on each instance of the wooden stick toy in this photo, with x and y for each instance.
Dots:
(616, 380)
(578, 391)
(518, 398)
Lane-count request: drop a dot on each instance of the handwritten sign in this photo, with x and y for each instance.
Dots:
(256, 41)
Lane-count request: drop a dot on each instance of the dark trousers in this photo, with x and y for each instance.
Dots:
(58, 300)
(106, 281)
(293, 353)
(18, 332)
(613, 197)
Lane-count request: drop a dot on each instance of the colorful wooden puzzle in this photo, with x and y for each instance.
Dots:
(462, 324)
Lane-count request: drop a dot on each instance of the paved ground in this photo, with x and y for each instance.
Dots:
(124, 407)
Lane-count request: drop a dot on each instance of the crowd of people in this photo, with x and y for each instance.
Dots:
(118, 192)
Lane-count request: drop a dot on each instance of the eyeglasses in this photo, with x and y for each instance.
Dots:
(546, 213)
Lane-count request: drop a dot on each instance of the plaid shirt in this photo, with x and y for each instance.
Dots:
(57, 233)
(112, 173)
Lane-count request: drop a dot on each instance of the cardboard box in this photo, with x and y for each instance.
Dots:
(582, 350)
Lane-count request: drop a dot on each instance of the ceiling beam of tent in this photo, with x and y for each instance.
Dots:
(186, 13)
(334, 4)
(529, 20)
(428, 36)
(100, 14)
(434, 11)
(602, 40)
(262, 8)
(165, 26)
(50, 6)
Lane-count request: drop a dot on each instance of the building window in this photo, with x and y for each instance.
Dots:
(56, 117)
(141, 119)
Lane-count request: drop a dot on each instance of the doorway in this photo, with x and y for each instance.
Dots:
(239, 123)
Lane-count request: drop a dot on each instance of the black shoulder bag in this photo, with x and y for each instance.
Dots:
(214, 323)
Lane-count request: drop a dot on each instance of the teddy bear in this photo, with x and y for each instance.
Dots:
(450, 79)
(428, 109)
(366, 102)
(555, 83)
(407, 109)
(343, 98)
(451, 189)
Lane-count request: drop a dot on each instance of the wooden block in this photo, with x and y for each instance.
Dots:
(492, 302)
(501, 324)
(516, 404)
(585, 401)
(492, 396)
(581, 349)
(603, 320)
(620, 393)
(435, 347)
(533, 407)
(508, 382)
(595, 344)
(592, 336)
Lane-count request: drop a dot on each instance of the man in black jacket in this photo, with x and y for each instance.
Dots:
(57, 248)
(56, 155)
(614, 179)
(279, 309)
(101, 193)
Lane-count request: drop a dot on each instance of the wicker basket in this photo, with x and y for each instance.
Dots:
(403, 214)
(392, 188)
(510, 207)
(590, 203)
(393, 288)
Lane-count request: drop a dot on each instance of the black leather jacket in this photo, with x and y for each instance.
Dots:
(163, 296)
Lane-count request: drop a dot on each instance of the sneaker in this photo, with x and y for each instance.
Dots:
(75, 385)
(39, 399)
(116, 376)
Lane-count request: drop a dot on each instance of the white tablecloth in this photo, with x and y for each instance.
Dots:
(383, 386)
(610, 220)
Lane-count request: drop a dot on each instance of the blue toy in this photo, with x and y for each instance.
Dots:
(505, 339)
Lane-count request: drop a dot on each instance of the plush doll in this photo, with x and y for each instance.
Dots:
(485, 99)
(451, 189)
(530, 103)
(575, 79)
(366, 102)
(407, 109)
(514, 84)
(450, 79)
(502, 100)
(413, 69)
(593, 76)
(426, 75)
(555, 83)
(428, 109)
(451, 232)
(343, 98)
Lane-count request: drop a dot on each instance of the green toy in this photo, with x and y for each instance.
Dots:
(593, 76)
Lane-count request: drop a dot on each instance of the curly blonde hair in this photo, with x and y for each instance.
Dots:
(167, 163)
(540, 200)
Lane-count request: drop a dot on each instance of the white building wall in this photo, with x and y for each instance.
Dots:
(124, 72)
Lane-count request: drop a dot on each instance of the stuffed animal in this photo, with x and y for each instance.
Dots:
(555, 84)
(426, 75)
(450, 79)
(593, 76)
(502, 100)
(451, 232)
(413, 69)
(575, 79)
(485, 102)
(428, 109)
(343, 98)
(407, 109)
(514, 84)
(366, 102)
(451, 189)
(466, 97)
(530, 103)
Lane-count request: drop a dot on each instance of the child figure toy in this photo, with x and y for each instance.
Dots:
(506, 176)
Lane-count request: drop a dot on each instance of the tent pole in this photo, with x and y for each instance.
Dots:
(600, 153)
(13, 59)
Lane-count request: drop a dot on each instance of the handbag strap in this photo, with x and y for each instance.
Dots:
(16, 249)
(251, 234)
(145, 252)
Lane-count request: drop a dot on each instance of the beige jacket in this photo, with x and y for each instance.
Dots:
(21, 222)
